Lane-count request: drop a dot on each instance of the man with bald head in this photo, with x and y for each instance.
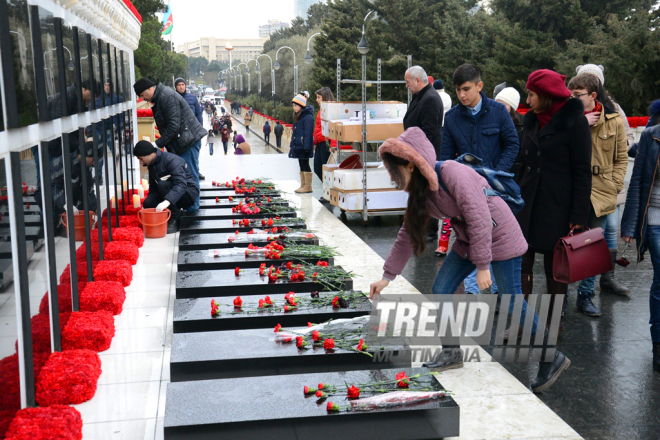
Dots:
(425, 110)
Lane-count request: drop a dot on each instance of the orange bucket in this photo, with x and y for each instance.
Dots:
(154, 224)
(79, 224)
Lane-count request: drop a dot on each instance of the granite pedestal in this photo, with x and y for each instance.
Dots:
(188, 242)
(201, 284)
(276, 408)
(204, 260)
(194, 315)
(189, 226)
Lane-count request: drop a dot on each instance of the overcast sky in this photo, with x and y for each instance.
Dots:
(225, 19)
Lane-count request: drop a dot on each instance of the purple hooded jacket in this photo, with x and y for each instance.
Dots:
(486, 229)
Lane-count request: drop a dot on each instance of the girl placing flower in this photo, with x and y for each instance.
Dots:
(486, 233)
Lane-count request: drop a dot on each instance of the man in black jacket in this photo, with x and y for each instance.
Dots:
(180, 131)
(171, 185)
(426, 112)
(278, 130)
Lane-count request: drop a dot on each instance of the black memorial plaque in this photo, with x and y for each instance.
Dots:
(201, 284)
(276, 407)
(189, 226)
(205, 260)
(221, 194)
(189, 242)
(254, 352)
(226, 203)
(227, 213)
(194, 314)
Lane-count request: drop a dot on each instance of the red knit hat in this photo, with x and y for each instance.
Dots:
(549, 83)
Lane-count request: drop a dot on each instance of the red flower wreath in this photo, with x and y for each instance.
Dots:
(95, 235)
(91, 330)
(81, 269)
(68, 378)
(10, 397)
(121, 250)
(59, 421)
(40, 325)
(81, 252)
(103, 295)
(114, 270)
(133, 234)
(63, 298)
(125, 221)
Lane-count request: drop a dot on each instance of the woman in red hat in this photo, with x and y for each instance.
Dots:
(555, 175)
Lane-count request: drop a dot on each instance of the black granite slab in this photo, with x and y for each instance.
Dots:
(227, 213)
(30, 220)
(194, 314)
(254, 352)
(204, 260)
(220, 193)
(200, 284)
(226, 203)
(276, 408)
(6, 252)
(193, 226)
(189, 242)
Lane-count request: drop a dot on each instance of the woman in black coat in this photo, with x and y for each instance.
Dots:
(302, 141)
(555, 173)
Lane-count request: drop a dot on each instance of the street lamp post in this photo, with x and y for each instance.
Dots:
(241, 73)
(272, 74)
(229, 48)
(255, 71)
(308, 56)
(295, 67)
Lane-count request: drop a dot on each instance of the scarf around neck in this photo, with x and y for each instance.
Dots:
(547, 115)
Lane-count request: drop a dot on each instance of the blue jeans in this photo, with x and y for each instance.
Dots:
(507, 273)
(471, 285)
(653, 244)
(612, 228)
(587, 285)
(191, 156)
(211, 149)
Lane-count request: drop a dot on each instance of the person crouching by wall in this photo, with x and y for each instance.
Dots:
(171, 184)
(302, 141)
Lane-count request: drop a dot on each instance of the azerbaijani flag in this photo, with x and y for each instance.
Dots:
(168, 21)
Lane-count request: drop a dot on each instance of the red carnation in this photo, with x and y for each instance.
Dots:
(237, 271)
(315, 335)
(286, 308)
(292, 300)
(335, 300)
(309, 324)
(308, 390)
(353, 392)
(261, 303)
(403, 379)
(329, 344)
(268, 301)
(320, 394)
(238, 302)
(361, 345)
(299, 341)
(214, 308)
(278, 328)
(289, 264)
(332, 407)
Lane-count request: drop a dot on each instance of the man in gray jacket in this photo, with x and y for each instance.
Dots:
(193, 102)
(180, 131)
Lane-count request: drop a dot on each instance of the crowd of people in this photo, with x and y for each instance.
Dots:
(568, 156)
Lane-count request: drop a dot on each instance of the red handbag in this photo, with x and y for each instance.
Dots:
(580, 256)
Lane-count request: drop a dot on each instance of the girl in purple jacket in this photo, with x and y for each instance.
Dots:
(486, 233)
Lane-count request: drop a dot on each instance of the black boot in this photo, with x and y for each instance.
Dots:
(584, 304)
(656, 356)
(610, 284)
(550, 371)
(173, 222)
(450, 358)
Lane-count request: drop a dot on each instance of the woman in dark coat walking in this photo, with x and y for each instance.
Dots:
(302, 141)
(555, 173)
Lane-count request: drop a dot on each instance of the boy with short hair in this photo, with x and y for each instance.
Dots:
(609, 160)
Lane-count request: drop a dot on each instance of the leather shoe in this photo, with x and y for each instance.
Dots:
(450, 358)
(584, 304)
(550, 371)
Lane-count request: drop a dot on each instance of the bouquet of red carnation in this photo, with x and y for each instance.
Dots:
(59, 421)
(95, 235)
(125, 221)
(114, 270)
(103, 295)
(121, 250)
(129, 210)
(10, 398)
(63, 298)
(41, 331)
(68, 378)
(81, 252)
(81, 270)
(133, 234)
(90, 330)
